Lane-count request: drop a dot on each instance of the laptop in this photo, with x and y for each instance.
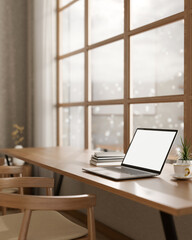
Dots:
(145, 156)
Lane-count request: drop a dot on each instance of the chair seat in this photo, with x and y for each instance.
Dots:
(44, 225)
(9, 190)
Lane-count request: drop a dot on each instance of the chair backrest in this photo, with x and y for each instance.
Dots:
(11, 171)
(31, 202)
(28, 182)
(2, 161)
(7, 171)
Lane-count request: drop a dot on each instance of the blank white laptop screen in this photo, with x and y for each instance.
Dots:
(149, 149)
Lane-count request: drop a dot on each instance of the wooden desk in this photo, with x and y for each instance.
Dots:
(163, 193)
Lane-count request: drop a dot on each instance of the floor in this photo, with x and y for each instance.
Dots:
(99, 236)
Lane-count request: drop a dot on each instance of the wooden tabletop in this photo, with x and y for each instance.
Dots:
(163, 192)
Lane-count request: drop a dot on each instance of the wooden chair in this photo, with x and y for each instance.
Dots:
(40, 220)
(7, 171)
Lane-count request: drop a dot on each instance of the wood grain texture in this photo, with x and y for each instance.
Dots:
(31, 202)
(162, 193)
(15, 170)
(14, 182)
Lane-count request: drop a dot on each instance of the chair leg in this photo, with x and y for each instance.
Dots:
(4, 210)
(91, 224)
(25, 225)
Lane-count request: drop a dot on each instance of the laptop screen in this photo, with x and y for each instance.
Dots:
(149, 148)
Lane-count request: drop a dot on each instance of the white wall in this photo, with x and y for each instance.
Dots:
(13, 69)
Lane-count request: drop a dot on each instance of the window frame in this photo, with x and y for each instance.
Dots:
(186, 98)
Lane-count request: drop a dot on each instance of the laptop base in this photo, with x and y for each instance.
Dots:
(116, 173)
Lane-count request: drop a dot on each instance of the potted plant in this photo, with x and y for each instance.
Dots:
(18, 138)
(17, 135)
(183, 167)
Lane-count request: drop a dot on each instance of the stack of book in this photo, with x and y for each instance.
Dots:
(107, 158)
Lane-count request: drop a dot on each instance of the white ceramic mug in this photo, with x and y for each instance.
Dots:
(183, 170)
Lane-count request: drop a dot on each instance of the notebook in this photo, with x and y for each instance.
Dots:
(145, 156)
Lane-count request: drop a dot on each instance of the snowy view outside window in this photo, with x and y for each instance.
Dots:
(107, 19)
(156, 60)
(73, 126)
(107, 127)
(72, 28)
(143, 12)
(107, 74)
(72, 78)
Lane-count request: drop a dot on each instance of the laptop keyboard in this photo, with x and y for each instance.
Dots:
(130, 171)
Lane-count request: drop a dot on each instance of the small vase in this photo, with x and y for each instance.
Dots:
(17, 161)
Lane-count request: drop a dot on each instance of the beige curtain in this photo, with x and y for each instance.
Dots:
(44, 66)
(44, 75)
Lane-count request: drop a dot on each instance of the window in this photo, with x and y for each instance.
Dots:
(121, 65)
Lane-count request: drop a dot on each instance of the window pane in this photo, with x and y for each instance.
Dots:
(72, 28)
(160, 115)
(106, 19)
(157, 61)
(147, 11)
(64, 2)
(72, 125)
(72, 78)
(107, 127)
(107, 71)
